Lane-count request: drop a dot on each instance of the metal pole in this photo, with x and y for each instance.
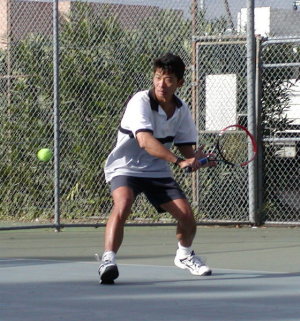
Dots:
(230, 23)
(252, 169)
(194, 44)
(194, 8)
(202, 5)
(56, 116)
(259, 134)
(9, 150)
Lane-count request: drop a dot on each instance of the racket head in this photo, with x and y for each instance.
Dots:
(236, 145)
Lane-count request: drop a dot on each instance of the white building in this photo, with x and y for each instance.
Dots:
(278, 23)
(271, 22)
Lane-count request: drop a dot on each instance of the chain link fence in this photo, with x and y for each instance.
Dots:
(222, 69)
(280, 125)
(106, 49)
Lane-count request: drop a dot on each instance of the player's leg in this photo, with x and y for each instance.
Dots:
(181, 210)
(123, 198)
(185, 257)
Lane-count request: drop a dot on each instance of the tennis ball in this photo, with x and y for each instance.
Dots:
(44, 154)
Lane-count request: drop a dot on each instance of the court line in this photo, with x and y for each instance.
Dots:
(134, 265)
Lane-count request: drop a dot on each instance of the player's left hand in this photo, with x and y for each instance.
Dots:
(193, 162)
(200, 154)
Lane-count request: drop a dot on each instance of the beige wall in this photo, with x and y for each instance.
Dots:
(3, 23)
(27, 17)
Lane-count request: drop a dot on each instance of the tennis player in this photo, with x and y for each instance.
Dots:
(153, 121)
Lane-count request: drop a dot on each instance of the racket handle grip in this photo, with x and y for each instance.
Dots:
(202, 161)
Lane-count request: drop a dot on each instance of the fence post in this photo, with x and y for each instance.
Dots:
(252, 169)
(259, 135)
(195, 111)
(56, 115)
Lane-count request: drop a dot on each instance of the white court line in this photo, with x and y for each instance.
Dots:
(34, 260)
(139, 265)
(213, 269)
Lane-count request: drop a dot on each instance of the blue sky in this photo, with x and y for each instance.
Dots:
(215, 8)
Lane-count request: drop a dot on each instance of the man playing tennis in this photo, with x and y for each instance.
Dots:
(153, 121)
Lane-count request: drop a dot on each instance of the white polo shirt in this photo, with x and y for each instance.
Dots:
(143, 113)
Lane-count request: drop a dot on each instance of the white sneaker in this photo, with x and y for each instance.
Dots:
(108, 269)
(193, 263)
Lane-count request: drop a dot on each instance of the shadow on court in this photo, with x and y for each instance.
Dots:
(42, 278)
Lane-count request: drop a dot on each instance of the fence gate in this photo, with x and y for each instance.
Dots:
(220, 99)
(279, 114)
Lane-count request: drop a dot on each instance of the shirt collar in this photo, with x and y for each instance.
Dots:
(154, 103)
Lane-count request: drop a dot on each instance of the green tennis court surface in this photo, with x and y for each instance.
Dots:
(53, 276)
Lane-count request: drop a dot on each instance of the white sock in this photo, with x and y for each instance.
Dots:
(184, 251)
(109, 255)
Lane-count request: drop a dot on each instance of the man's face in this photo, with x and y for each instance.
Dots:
(165, 85)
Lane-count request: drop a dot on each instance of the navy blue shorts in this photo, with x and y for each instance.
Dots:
(157, 190)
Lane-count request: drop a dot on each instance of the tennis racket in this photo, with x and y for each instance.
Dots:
(234, 146)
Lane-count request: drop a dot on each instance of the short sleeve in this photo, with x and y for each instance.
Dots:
(138, 115)
(186, 133)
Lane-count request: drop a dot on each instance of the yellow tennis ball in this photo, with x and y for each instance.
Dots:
(44, 154)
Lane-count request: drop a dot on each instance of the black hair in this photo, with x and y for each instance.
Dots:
(170, 63)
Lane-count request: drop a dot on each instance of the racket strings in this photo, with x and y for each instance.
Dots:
(234, 147)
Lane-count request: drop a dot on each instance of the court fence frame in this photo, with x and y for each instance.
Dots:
(253, 205)
(272, 146)
(209, 52)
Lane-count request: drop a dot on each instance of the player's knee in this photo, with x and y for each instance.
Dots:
(122, 208)
(187, 218)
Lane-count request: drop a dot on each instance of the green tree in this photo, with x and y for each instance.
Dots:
(102, 63)
(277, 85)
(99, 68)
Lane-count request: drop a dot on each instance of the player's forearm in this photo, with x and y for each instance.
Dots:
(187, 151)
(152, 146)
